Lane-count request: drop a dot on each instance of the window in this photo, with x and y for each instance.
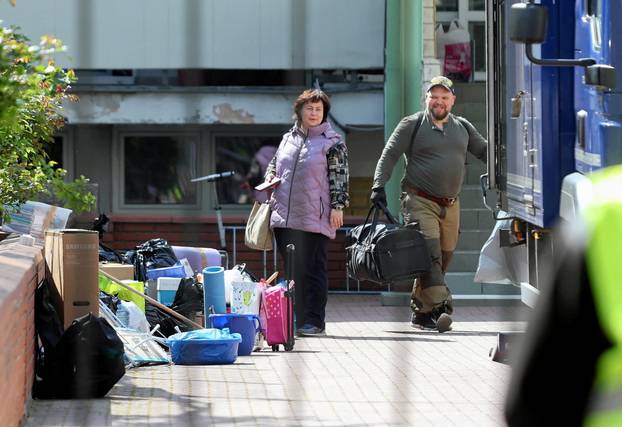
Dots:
(248, 156)
(153, 167)
(54, 151)
(157, 169)
(471, 15)
(477, 5)
(447, 5)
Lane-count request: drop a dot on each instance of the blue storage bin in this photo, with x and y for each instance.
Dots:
(176, 270)
(167, 288)
(204, 347)
(247, 325)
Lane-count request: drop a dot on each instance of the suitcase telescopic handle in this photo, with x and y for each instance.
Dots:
(289, 261)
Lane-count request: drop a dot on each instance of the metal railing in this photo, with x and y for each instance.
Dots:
(272, 255)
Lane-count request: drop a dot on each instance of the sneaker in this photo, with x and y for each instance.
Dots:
(311, 331)
(422, 321)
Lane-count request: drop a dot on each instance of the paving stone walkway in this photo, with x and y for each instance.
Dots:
(371, 369)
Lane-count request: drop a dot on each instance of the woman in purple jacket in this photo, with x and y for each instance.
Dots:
(307, 205)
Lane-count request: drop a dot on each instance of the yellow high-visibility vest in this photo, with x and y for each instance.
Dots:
(603, 217)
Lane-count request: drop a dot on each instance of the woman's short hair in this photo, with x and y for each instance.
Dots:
(311, 95)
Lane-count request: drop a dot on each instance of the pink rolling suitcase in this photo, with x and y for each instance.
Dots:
(277, 309)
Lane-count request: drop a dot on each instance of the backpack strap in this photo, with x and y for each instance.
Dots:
(416, 129)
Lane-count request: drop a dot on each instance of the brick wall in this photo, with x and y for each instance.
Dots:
(21, 268)
(127, 232)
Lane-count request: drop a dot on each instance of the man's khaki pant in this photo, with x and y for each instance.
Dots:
(440, 226)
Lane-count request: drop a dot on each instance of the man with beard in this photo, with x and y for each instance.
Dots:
(434, 143)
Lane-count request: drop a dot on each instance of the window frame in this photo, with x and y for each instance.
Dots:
(205, 165)
(118, 179)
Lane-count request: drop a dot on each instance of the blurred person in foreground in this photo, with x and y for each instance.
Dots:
(307, 205)
(568, 370)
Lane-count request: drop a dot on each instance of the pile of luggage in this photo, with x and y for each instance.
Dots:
(155, 304)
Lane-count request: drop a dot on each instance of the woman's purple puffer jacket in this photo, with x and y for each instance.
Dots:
(302, 200)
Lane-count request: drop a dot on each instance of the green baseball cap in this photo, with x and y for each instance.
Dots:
(441, 81)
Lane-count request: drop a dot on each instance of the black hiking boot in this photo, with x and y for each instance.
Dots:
(422, 321)
(441, 319)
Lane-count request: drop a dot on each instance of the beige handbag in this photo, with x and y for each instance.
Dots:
(258, 234)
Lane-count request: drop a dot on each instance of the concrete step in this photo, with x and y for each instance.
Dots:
(472, 240)
(476, 219)
(463, 284)
(464, 261)
(471, 197)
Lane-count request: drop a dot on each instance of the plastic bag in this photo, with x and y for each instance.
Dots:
(238, 273)
(35, 218)
(454, 50)
(492, 266)
(131, 316)
(188, 298)
(246, 297)
(109, 254)
(154, 253)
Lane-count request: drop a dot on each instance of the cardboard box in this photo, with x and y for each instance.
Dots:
(72, 258)
(118, 271)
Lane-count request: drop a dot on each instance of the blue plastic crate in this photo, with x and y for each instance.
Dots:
(176, 270)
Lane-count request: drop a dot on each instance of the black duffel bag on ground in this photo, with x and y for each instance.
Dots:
(86, 362)
(386, 253)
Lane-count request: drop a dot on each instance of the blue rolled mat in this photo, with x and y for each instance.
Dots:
(214, 291)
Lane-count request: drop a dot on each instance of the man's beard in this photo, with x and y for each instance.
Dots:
(440, 116)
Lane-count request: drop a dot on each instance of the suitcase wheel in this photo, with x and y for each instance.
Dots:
(288, 347)
(275, 347)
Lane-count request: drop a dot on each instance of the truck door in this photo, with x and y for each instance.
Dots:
(534, 129)
(598, 112)
(517, 118)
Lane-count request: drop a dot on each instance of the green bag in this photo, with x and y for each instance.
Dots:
(111, 288)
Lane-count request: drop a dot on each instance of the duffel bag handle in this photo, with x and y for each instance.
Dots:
(375, 209)
(384, 208)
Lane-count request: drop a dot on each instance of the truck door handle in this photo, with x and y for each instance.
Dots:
(517, 104)
(581, 118)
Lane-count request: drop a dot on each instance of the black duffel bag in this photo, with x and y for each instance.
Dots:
(386, 253)
(86, 362)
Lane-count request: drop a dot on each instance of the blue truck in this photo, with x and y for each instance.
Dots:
(554, 115)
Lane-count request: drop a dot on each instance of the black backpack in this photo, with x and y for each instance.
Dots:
(86, 362)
